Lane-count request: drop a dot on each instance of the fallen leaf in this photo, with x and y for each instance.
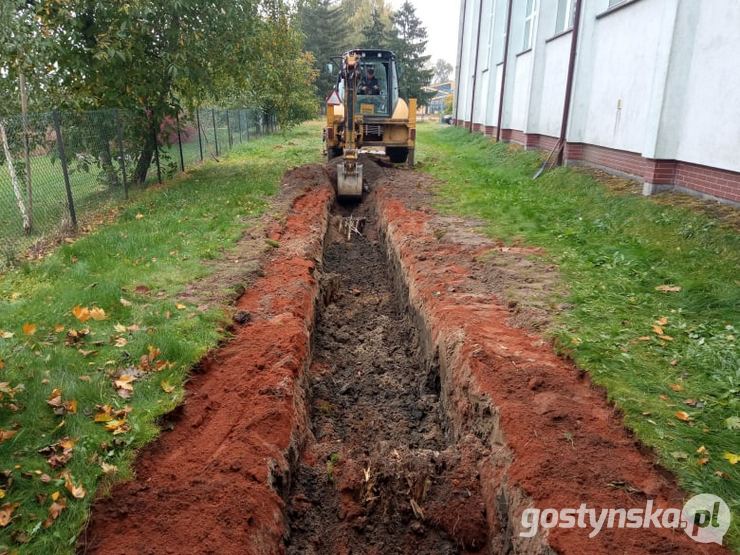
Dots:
(665, 337)
(125, 302)
(657, 329)
(6, 434)
(680, 455)
(702, 450)
(81, 313)
(117, 426)
(125, 381)
(676, 387)
(2, 364)
(683, 416)
(71, 406)
(77, 490)
(732, 458)
(29, 329)
(55, 399)
(85, 379)
(97, 314)
(668, 288)
(108, 468)
(663, 397)
(85, 353)
(180, 306)
(6, 335)
(702, 461)
(121, 342)
(139, 216)
(662, 321)
(6, 513)
(119, 328)
(166, 387)
(644, 338)
(59, 328)
(56, 508)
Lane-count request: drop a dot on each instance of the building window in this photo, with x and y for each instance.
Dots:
(613, 3)
(566, 13)
(530, 19)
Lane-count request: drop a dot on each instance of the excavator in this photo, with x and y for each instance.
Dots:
(363, 113)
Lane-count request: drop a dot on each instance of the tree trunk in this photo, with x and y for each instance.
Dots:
(146, 156)
(27, 149)
(106, 161)
(14, 180)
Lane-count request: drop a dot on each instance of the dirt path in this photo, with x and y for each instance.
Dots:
(382, 476)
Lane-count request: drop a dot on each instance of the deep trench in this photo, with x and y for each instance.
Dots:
(380, 471)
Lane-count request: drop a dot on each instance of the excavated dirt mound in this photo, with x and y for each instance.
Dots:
(215, 482)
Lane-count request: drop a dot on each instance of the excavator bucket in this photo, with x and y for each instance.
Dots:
(349, 181)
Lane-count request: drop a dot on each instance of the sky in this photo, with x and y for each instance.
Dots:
(440, 17)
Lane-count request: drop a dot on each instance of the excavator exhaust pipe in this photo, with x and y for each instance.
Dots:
(349, 181)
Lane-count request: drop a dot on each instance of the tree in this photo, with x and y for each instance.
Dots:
(326, 34)
(409, 45)
(155, 58)
(442, 70)
(376, 33)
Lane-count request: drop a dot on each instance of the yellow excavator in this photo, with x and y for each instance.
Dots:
(364, 112)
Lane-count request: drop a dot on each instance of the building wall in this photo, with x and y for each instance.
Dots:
(656, 90)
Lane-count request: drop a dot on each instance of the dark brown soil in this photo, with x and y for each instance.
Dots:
(381, 475)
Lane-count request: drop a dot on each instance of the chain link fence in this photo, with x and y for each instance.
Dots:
(59, 170)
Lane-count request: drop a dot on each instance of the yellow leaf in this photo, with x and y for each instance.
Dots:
(97, 313)
(662, 321)
(166, 386)
(657, 329)
(2, 493)
(2, 364)
(683, 416)
(732, 458)
(139, 216)
(701, 450)
(666, 337)
(6, 513)
(125, 302)
(119, 328)
(55, 496)
(676, 387)
(71, 406)
(6, 335)
(125, 382)
(29, 329)
(81, 313)
(117, 426)
(59, 328)
(180, 306)
(644, 338)
(56, 508)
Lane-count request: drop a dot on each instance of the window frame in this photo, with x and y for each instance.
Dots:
(530, 22)
(568, 20)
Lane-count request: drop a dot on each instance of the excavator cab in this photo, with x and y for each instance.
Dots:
(365, 112)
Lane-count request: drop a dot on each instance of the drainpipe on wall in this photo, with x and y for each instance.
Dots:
(475, 69)
(569, 82)
(503, 72)
(459, 59)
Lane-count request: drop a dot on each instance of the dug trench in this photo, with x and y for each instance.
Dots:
(381, 396)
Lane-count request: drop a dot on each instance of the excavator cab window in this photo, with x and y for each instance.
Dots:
(372, 99)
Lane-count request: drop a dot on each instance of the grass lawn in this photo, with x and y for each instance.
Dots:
(64, 429)
(90, 194)
(669, 360)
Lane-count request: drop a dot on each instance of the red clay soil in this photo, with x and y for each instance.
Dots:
(556, 442)
(215, 483)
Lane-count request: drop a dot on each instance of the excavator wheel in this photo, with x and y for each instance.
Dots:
(397, 154)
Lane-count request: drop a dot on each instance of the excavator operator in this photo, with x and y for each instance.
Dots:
(370, 83)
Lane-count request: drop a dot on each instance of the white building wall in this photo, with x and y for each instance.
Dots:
(659, 78)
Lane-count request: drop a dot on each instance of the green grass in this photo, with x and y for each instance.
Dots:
(613, 250)
(91, 195)
(162, 240)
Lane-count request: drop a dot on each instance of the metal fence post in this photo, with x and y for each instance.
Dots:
(239, 113)
(122, 153)
(215, 131)
(179, 141)
(247, 122)
(156, 154)
(228, 130)
(65, 170)
(200, 140)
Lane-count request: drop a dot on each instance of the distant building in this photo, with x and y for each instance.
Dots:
(442, 92)
(655, 85)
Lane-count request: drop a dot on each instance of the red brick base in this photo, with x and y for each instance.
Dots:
(655, 173)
